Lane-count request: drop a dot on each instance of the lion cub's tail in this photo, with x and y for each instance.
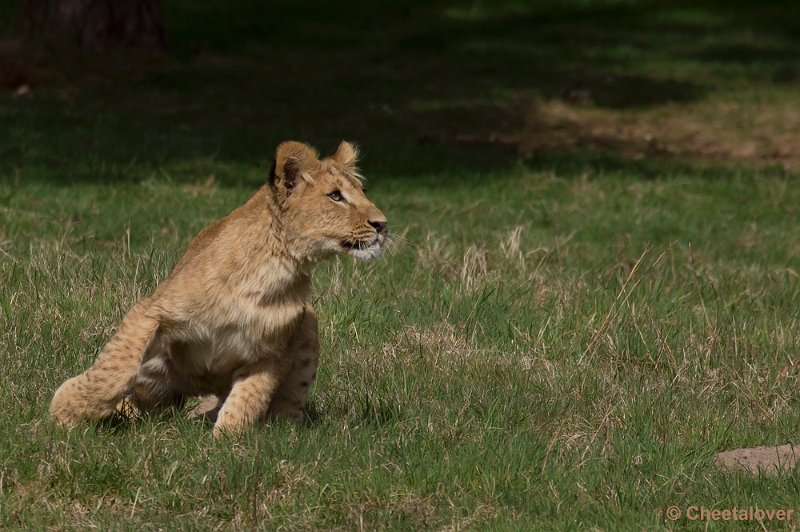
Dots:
(95, 393)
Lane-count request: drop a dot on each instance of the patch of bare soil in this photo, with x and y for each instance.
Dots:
(759, 133)
(765, 460)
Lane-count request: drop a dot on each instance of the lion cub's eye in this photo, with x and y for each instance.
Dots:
(336, 196)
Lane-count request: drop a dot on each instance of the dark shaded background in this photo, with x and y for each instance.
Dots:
(444, 87)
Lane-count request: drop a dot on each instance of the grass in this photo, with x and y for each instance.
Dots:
(597, 288)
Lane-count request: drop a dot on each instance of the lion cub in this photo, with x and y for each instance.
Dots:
(233, 318)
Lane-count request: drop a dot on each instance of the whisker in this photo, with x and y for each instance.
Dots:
(399, 242)
(401, 237)
(396, 243)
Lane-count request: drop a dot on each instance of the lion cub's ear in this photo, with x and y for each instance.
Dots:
(292, 159)
(346, 154)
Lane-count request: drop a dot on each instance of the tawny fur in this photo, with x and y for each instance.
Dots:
(233, 320)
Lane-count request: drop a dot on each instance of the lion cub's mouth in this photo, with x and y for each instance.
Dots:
(363, 249)
(358, 244)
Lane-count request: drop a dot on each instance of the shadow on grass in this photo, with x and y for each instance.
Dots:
(426, 88)
(119, 423)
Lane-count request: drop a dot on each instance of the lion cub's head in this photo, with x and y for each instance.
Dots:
(324, 209)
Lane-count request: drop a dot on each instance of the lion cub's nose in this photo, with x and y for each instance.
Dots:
(379, 225)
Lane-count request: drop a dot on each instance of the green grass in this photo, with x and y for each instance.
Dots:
(564, 336)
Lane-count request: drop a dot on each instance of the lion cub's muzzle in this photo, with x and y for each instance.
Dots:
(368, 248)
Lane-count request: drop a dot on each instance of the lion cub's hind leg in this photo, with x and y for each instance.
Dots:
(95, 393)
(290, 401)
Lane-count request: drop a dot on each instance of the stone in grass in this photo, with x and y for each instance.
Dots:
(769, 460)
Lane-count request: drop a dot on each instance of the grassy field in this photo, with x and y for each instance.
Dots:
(596, 288)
